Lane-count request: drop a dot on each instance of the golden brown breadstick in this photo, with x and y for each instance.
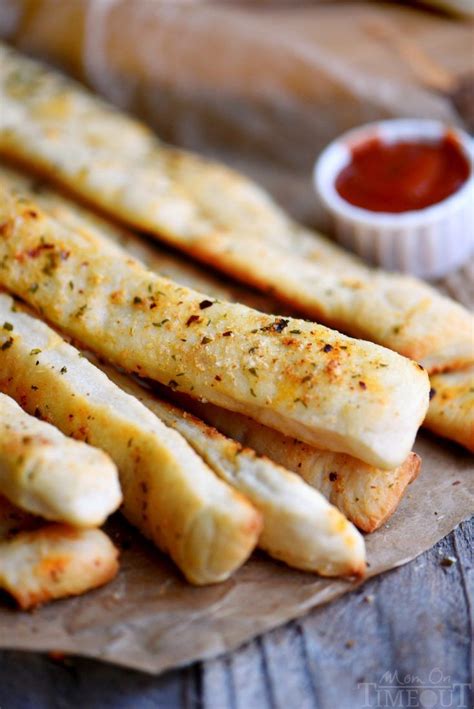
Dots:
(301, 378)
(173, 266)
(42, 563)
(53, 476)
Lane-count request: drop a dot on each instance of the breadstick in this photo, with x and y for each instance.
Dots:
(451, 410)
(175, 267)
(43, 563)
(298, 377)
(52, 476)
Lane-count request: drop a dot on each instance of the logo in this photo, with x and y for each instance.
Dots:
(433, 691)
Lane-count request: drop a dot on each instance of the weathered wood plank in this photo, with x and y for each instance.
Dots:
(37, 682)
(411, 620)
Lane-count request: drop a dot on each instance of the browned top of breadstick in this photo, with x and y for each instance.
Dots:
(304, 379)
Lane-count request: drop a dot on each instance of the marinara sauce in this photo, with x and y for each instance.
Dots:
(403, 176)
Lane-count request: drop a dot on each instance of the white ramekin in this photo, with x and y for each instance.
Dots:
(428, 242)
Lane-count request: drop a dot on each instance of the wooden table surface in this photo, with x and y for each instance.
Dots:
(416, 621)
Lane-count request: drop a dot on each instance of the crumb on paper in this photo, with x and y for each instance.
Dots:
(448, 561)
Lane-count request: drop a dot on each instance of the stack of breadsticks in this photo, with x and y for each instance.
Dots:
(46, 476)
(313, 429)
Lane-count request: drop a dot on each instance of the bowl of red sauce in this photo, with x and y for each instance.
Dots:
(401, 194)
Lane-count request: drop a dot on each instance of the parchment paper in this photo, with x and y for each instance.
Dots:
(151, 620)
(148, 618)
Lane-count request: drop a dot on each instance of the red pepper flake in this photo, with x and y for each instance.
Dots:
(332, 476)
(363, 385)
(227, 333)
(206, 340)
(205, 304)
(218, 378)
(456, 482)
(34, 253)
(191, 319)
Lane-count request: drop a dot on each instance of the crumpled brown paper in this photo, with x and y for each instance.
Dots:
(267, 105)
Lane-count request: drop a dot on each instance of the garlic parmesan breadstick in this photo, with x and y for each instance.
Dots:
(216, 215)
(50, 475)
(301, 378)
(41, 564)
(367, 496)
(451, 410)
(175, 267)
(169, 493)
(299, 526)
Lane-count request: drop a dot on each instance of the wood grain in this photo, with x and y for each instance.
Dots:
(412, 620)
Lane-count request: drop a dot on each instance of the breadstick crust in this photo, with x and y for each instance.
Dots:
(218, 216)
(55, 561)
(299, 526)
(301, 378)
(176, 268)
(169, 494)
(366, 495)
(451, 410)
(50, 475)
